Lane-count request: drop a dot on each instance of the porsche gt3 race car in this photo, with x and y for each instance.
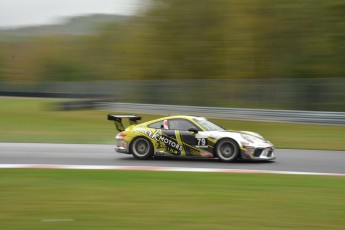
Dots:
(188, 136)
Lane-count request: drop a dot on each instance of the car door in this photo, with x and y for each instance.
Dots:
(191, 144)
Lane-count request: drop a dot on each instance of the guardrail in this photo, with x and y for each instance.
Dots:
(323, 94)
(296, 116)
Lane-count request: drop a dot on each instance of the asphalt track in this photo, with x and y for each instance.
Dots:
(314, 161)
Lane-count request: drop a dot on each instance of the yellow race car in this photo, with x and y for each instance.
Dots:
(188, 136)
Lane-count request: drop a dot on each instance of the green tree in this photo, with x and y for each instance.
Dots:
(241, 39)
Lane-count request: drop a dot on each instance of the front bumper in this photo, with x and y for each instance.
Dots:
(260, 153)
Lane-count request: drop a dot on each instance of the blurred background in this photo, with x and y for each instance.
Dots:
(285, 54)
(267, 54)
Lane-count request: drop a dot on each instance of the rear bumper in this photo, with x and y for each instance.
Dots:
(121, 150)
(121, 146)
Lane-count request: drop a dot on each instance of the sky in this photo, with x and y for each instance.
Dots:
(19, 13)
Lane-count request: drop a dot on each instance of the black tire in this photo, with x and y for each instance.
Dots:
(141, 148)
(227, 150)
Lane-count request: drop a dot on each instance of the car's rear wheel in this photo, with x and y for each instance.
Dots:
(227, 150)
(141, 148)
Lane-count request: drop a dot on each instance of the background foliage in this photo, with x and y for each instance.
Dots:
(176, 39)
(285, 54)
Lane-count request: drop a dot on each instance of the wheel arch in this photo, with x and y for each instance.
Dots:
(228, 138)
(130, 145)
(139, 136)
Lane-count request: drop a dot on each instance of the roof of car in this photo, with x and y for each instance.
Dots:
(188, 117)
(181, 116)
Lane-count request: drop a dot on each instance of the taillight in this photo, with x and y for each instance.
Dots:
(120, 135)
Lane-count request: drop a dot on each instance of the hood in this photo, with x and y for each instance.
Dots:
(230, 133)
(252, 133)
(251, 138)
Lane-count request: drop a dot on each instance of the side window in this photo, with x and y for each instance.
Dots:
(181, 124)
(156, 125)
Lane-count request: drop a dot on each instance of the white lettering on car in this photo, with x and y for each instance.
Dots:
(159, 137)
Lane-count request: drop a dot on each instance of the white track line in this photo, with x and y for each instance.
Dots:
(165, 169)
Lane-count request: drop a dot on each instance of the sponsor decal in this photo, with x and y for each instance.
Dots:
(171, 144)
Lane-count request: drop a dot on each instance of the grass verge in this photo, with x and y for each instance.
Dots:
(72, 199)
(35, 120)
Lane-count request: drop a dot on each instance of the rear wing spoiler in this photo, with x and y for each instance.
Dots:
(118, 120)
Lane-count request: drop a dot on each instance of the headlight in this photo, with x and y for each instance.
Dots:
(250, 138)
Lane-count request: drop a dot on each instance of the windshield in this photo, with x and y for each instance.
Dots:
(207, 125)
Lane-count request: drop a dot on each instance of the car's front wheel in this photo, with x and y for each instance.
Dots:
(141, 148)
(227, 150)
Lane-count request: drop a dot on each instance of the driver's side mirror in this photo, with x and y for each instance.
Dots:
(193, 130)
